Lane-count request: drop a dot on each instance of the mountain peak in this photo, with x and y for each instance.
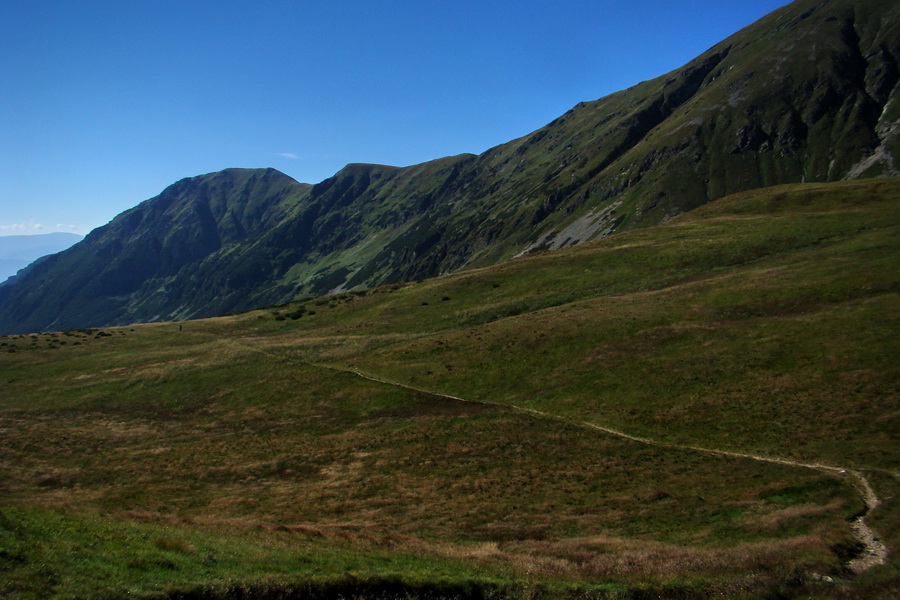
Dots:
(808, 93)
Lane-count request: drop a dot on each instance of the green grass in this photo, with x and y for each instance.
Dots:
(64, 554)
(764, 323)
(777, 316)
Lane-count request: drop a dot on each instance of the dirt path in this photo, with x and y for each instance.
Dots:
(874, 551)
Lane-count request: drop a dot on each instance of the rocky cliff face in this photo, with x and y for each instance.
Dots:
(808, 93)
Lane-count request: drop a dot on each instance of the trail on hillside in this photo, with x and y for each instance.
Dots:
(874, 551)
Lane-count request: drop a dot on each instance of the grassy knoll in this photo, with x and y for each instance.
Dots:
(240, 451)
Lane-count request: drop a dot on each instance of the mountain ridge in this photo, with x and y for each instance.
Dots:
(17, 252)
(808, 93)
(653, 411)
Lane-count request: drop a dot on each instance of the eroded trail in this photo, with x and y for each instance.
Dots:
(874, 551)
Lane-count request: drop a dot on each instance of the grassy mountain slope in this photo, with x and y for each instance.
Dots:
(138, 267)
(809, 93)
(18, 251)
(144, 460)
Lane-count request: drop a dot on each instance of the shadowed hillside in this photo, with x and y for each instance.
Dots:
(703, 409)
(18, 251)
(808, 93)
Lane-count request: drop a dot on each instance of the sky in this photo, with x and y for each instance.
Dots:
(104, 104)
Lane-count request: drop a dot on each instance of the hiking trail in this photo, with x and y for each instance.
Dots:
(874, 551)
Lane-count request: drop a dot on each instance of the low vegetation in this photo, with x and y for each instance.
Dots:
(440, 439)
(749, 112)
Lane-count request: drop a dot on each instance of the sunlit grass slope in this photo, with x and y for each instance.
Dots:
(240, 453)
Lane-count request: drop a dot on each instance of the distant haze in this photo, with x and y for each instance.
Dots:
(18, 251)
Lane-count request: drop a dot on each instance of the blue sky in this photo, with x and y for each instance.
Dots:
(104, 104)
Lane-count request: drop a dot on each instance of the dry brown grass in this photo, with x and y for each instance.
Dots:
(623, 558)
(779, 518)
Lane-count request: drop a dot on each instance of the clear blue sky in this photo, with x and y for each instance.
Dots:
(104, 104)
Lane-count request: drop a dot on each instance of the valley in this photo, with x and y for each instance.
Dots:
(667, 411)
(648, 350)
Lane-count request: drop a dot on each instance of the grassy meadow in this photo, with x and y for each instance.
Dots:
(245, 456)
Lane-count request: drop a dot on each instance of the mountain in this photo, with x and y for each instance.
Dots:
(809, 93)
(704, 409)
(18, 251)
(123, 271)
